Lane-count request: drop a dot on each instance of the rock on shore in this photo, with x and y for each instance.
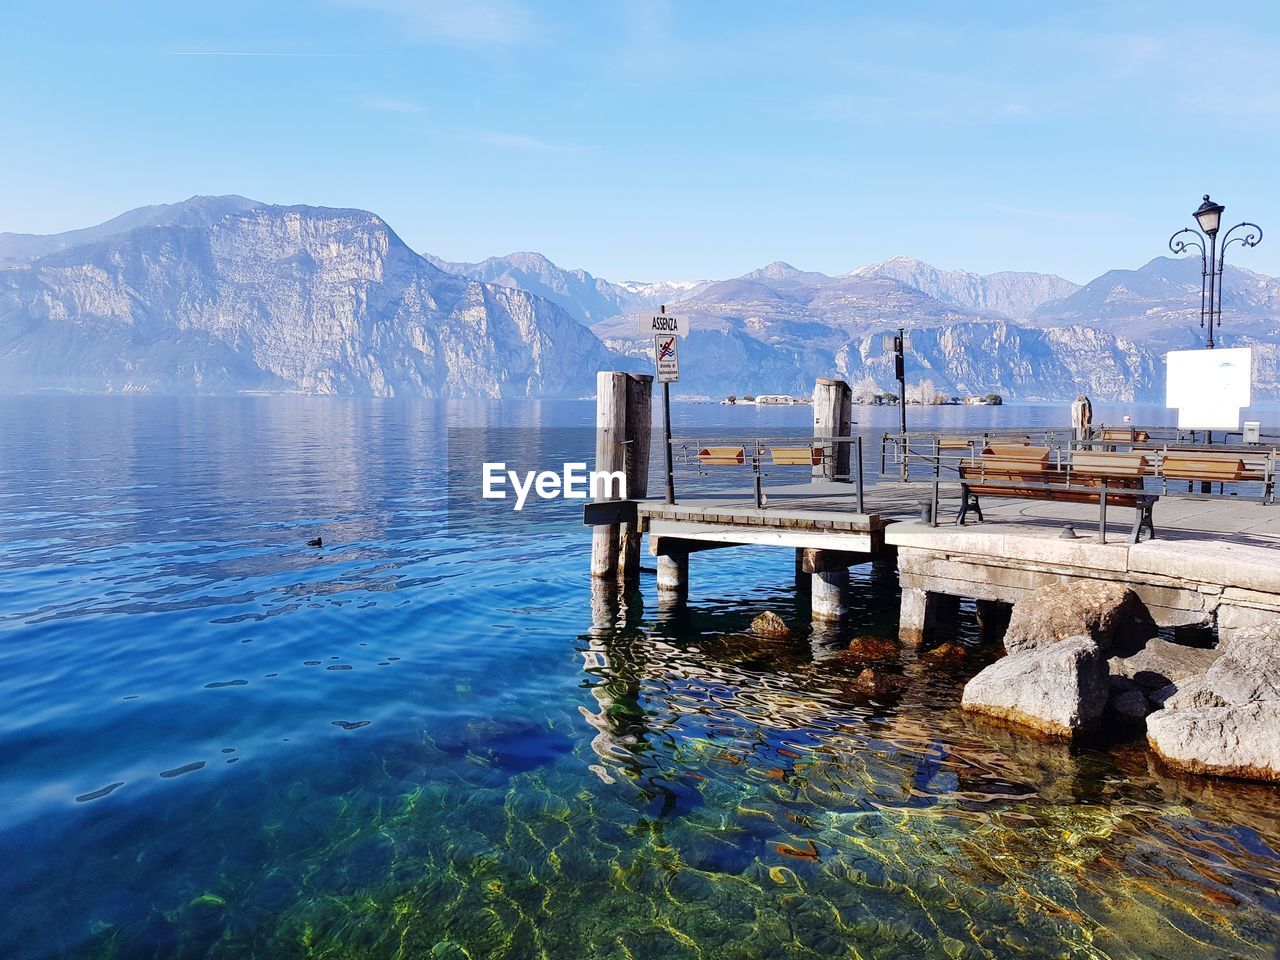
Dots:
(1101, 612)
(1225, 721)
(1059, 689)
(1232, 741)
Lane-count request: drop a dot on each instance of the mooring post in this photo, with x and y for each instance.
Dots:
(832, 417)
(611, 429)
(639, 431)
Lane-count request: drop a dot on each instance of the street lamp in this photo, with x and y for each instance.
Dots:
(1209, 216)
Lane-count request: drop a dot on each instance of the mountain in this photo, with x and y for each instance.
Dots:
(223, 295)
(1160, 302)
(28, 246)
(1007, 294)
(773, 329)
(585, 298)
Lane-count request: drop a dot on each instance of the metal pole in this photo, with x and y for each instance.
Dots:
(937, 467)
(858, 452)
(1213, 272)
(666, 435)
(900, 368)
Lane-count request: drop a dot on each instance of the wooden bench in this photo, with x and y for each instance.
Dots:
(722, 456)
(1123, 435)
(798, 455)
(1103, 478)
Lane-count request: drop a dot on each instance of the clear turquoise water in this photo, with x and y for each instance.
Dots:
(422, 741)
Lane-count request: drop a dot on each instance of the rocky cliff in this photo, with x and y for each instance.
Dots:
(262, 297)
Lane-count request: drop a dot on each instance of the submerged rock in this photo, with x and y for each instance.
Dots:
(1232, 741)
(869, 683)
(1059, 689)
(1101, 611)
(870, 648)
(948, 652)
(769, 624)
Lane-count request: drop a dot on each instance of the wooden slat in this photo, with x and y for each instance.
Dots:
(1108, 464)
(1016, 451)
(1201, 468)
(795, 456)
(721, 456)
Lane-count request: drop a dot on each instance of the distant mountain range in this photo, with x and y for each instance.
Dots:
(224, 294)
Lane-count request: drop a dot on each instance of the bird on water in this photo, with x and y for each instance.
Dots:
(317, 542)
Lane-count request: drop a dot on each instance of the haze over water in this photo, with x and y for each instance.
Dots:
(216, 741)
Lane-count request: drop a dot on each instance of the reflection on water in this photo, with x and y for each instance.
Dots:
(217, 742)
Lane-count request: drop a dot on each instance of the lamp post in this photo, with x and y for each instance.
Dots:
(1212, 257)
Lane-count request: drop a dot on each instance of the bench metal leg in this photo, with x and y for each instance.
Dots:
(968, 501)
(1142, 520)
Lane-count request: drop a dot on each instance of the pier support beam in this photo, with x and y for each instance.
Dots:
(611, 428)
(830, 595)
(921, 613)
(673, 577)
(639, 429)
(623, 431)
(803, 583)
(832, 417)
(993, 618)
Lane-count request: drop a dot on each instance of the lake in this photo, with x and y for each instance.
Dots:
(418, 741)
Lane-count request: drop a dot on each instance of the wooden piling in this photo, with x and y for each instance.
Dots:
(611, 428)
(832, 417)
(639, 431)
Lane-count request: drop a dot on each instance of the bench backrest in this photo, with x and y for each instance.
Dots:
(722, 456)
(1088, 463)
(1025, 454)
(795, 456)
(1197, 467)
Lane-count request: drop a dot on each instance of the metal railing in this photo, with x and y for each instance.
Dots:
(766, 457)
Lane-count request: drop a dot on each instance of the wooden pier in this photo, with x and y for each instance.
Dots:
(1215, 561)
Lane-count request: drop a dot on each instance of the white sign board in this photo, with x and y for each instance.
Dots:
(665, 356)
(664, 323)
(1209, 387)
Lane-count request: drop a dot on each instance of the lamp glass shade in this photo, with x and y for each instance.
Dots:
(1209, 216)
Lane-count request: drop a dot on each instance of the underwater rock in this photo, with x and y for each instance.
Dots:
(872, 684)
(1234, 741)
(948, 652)
(1101, 612)
(870, 648)
(1160, 663)
(1059, 690)
(769, 624)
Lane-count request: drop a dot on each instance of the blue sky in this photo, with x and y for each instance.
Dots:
(662, 140)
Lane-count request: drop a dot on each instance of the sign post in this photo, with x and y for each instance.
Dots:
(899, 345)
(665, 330)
